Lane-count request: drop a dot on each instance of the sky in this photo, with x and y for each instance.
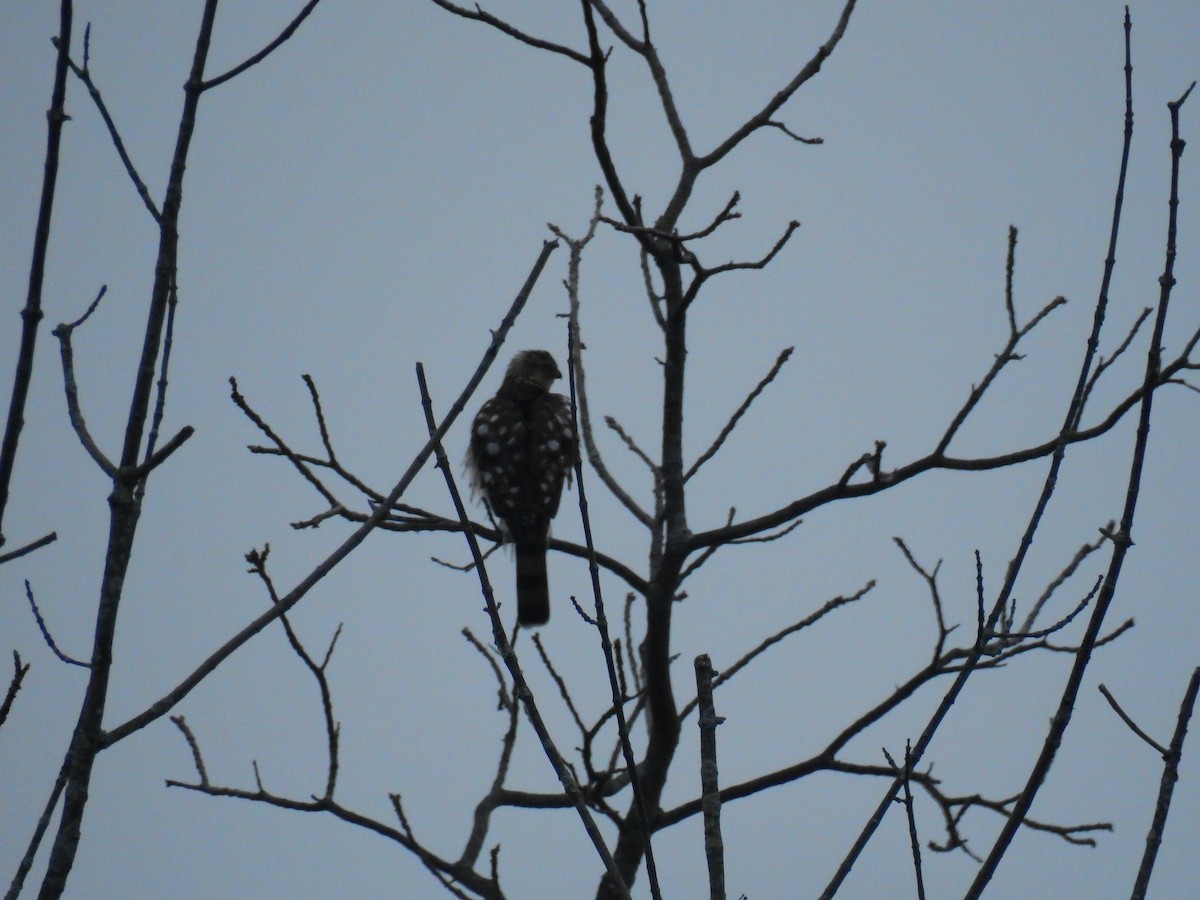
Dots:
(372, 196)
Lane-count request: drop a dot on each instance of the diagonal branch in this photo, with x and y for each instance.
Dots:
(1170, 775)
(265, 51)
(85, 76)
(479, 14)
(20, 670)
(168, 701)
(763, 117)
(741, 411)
(828, 607)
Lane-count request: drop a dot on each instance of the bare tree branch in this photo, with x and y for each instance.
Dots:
(579, 373)
(481, 15)
(63, 333)
(763, 117)
(710, 792)
(1170, 775)
(83, 73)
(828, 607)
(41, 623)
(29, 548)
(741, 411)
(905, 776)
(265, 51)
(31, 313)
(20, 670)
(1133, 726)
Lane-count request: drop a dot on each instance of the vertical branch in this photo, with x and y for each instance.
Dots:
(160, 402)
(640, 807)
(88, 737)
(31, 315)
(913, 841)
(710, 788)
(39, 831)
(1166, 788)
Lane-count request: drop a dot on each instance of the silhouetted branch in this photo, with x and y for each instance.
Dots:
(83, 73)
(905, 776)
(1104, 362)
(301, 464)
(41, 623)
(1133, 726)
(828, 607)
(741, 411)
(704, 274)
(930, 579)
(640, 803)
(480, 15)
(20, 670)
(1166, 787)
(31, 314)
(29, 548)
(578, 371)
(258, 566)
(763, 118)
(1080, 555)
(265, 51)
(710, 793)
(1003, 358)
(63, 333)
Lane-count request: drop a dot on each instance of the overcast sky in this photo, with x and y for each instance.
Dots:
(373, 196)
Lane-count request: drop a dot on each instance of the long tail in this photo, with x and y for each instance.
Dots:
(533, 588)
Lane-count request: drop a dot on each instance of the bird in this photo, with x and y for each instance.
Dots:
(523, 447)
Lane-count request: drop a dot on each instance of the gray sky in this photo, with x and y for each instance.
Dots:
(373, 196)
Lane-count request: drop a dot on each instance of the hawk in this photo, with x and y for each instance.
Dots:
(523, 447)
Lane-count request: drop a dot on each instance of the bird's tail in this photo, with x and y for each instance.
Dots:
(533, 588)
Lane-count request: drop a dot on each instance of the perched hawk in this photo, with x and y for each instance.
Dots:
(523, 447)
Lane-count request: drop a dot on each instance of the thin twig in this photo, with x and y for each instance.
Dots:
(29, 548)
(63, 333)
(20, 670)
(1166, 787)
(478, 14)
(265, 51)
(84, 74)
(160, 400)
(1133, 726)
(708, 454)
(828, 607)
(905, 775)
(41, 623)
